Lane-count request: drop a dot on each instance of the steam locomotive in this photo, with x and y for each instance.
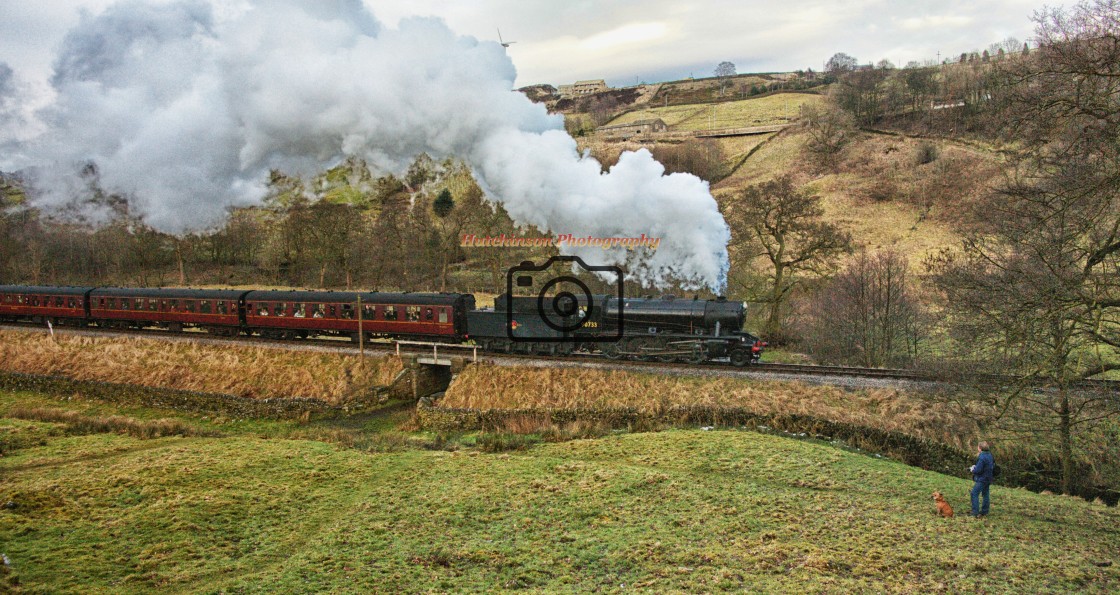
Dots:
(662, 329)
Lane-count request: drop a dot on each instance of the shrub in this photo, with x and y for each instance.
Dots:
(926, 153)
(504, 441)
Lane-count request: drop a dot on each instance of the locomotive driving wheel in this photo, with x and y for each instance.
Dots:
(740, 357)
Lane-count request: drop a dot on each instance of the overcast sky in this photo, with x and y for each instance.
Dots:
(628, 40)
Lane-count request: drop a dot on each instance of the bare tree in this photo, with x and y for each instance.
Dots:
(783, 226)
(1035, 290)
(724, 71)
(829, 130)
(862, 94)
(839, 64)
(869, 314)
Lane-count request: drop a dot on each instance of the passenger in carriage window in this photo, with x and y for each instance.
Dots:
(300, 313)
(318, 311)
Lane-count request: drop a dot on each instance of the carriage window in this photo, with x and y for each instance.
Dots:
(124, 303)
(139, 303)
(280, 309)
(390, 312)
(153, 305)
(263, 311)
(412, 313)
(34, 300)
(300, 310)
(222, 307)
(427, 313)
(188, 305)
(59, 301)
(319, 312)
(174, 305)
(442, 315)
(70, 303)
(204, 306)
(19, 299)
(369, 312)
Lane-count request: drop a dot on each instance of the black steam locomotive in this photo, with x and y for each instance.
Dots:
(653, 329)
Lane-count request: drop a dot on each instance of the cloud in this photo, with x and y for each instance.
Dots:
(929, 21)
(626, 35)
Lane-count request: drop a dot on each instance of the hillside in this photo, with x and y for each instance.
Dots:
(682, 510)
(879, 192)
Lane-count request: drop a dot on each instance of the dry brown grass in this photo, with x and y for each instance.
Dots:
(493, 387)
(229, 369)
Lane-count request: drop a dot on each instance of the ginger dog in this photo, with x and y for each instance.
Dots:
(943, 507)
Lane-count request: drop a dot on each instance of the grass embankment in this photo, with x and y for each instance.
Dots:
(228, 369)
(660, 512)
(780, 108)
(494, 387)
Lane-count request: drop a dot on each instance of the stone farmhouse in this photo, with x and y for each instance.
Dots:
(581, 88)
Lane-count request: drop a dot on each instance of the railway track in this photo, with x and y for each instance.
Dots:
(380, 346)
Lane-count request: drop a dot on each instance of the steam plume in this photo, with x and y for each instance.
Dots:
(185, 106)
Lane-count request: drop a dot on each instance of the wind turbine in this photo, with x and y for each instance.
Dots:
(505, 44)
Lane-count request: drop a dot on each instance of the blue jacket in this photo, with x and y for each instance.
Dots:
(984, 465)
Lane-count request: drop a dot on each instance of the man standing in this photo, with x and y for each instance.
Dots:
(982, 476)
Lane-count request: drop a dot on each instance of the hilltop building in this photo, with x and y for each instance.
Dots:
(580, 88)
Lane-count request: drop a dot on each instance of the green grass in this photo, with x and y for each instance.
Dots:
(681, 510)
(779, 108)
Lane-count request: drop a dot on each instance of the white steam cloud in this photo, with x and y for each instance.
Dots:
(185, 106)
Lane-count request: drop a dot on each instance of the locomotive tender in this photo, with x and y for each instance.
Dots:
(662, 329)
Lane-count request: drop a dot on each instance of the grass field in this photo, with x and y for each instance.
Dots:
(193, 366)
(681, 510)
(779, 108)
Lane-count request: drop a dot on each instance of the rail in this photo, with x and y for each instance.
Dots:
(435, 348)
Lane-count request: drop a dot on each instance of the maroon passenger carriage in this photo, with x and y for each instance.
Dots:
(215, 310)
(58, 305)
(290, 314)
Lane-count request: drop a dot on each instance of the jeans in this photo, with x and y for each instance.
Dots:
(979, 488)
